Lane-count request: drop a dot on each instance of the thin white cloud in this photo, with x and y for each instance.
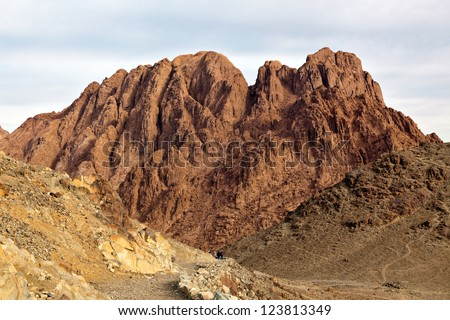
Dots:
(50, 50)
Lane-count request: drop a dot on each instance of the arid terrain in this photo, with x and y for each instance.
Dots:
(386, 225)
(56, 241)
(312, 186)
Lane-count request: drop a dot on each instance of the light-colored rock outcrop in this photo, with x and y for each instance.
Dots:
(18, 265)
(13, 285)
(155, 255)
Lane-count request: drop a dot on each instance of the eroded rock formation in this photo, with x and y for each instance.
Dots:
(195, 152)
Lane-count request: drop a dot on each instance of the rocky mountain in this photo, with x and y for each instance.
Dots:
(385, 226)
(195, 152)
(3, 133)
(57, 242)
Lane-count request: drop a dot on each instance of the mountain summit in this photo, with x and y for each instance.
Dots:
(195, 152)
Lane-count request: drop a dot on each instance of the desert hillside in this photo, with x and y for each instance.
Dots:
(386, 226)
(57, 242)
(195, 152)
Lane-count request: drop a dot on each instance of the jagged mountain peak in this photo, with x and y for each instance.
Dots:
(171, 110)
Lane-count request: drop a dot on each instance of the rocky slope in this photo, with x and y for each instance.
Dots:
(228, 280)
(57, 242)
(386, 225)
(3, 133)
(194, 151)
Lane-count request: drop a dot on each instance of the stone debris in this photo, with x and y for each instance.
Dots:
(227, 280)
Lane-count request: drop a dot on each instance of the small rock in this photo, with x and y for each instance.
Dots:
(193, 292)
(202, 271)
(65, 182)
(393, 285)
(225, 289)
(55, 194)
(206, 295)
(222, 296)
(42, 277)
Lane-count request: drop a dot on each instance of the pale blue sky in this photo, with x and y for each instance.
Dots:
(50, 50)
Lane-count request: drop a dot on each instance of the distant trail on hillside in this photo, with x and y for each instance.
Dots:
(385, 226)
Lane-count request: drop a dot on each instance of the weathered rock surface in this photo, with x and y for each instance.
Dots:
(129, 256)
(19, 267)
(13, 285)
(276, 143)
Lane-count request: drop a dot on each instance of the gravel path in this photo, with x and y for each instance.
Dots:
(137, 287)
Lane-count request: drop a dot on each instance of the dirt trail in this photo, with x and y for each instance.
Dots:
(386, 266)
(408, 250)
(137, 287)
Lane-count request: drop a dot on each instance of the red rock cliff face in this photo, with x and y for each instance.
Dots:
(197, 153)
